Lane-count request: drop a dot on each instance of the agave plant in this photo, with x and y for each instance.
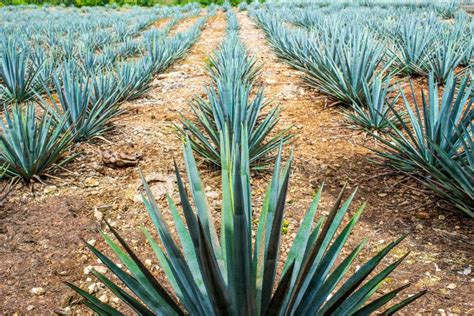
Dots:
(31, 146)
(376, 115)
(229, 104)
(335, 62)
(454, 180)
(134, 78)
(435, 133)
(17, 73)
(448, 55)
(75, 96)
(413, 44)
(231, 275)
(341, 67)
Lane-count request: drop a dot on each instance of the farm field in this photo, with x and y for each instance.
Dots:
(124, 89)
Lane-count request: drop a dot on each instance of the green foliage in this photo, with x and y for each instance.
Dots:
(436, 141)
(413, 45)
(227, 274)
(17, 73)
(376, 115)
(449, 54)
(230, 105)
(87, 113)
(336, 62)
(31, 146)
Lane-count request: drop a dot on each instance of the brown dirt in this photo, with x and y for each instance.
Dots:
(40, 232)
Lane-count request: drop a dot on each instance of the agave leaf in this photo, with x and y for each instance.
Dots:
(124, 296)
(392, 310)
(93, 303)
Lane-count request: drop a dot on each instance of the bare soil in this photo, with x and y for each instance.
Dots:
(40, 230)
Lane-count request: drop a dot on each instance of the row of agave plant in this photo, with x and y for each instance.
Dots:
(30, 57)
(77, 104)
(229, 273)
(444, 8)
(233, 99)
(354, 66)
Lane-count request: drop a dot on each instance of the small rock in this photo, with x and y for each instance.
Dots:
(87, 269)
(63, 311)
(212, 195)
(92, 242)
(382, 194)
(50, 189)
(37, 291)
(423, 215)
(91, 182)
(442, 217)
(466, 271)
(98, 215)
(104, 298)
(451, 286)
(30, 307)
(100, 269)
(93, 288)
(148, 262)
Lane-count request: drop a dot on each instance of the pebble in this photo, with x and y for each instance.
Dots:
(92, 242)
(30, 307)
(423, 215)
(212, 195)
(98, 215)
(104, 298)
(50, 189)
(451, 286)
(93, 288)
(37, 291)
(91, 182)
(99, 269)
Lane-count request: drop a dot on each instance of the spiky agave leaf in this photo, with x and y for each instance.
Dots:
(453, 177)
(32, 146)
(376, 115)
(447, 56)
(87, 113)
(226, 276)
(18, 73)
(434, 135)
(413, 43)
(229, 104)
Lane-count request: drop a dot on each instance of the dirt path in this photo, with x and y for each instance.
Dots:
(326, 152)
(40, 244)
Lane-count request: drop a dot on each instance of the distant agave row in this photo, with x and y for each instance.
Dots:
(356, 65)
(340, 50)
(229, 105)
(27, 63)
(79, 104)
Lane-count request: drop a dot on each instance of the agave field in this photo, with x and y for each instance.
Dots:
(278, 158)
